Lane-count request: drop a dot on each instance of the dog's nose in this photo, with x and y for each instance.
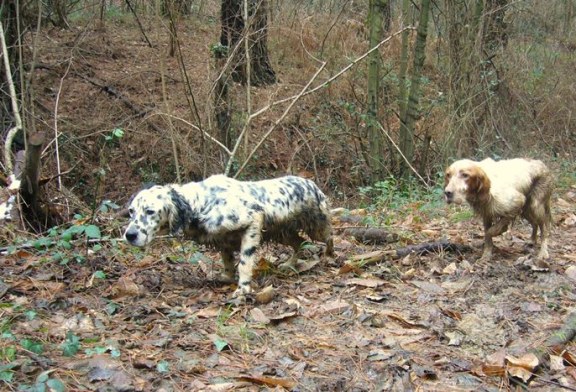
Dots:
(131, 236)
(449, 195)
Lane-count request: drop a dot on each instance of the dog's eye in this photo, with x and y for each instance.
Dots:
(150, 212)
(465, 175)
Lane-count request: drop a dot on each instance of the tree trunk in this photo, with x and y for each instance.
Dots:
(256, 31)
(407, 124)
(376, 16)
(403, 73)
(29, 189)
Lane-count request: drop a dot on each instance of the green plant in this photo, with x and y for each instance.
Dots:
(61, 241)
(71, 344)
(45, 383)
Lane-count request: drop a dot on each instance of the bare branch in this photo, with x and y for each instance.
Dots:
(12, 132)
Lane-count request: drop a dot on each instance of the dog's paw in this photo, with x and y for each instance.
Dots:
(225, 278)
(242, 291)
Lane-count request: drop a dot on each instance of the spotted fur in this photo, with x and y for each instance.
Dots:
(233, 216)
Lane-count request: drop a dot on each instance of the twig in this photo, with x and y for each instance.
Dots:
(138, 21)
(263, 139)
(18, 120)
(56, 144)
(336, 76)
(404, 157)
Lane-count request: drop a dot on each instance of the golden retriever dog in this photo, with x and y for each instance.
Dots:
(500, 191)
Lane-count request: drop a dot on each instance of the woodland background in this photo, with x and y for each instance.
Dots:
(371, 100)
(132, 92)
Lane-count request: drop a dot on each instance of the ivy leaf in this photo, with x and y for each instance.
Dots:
(71, 345)
(32, 345)
(55, 385)
(220, 344)
(92, 231)
(163, 367)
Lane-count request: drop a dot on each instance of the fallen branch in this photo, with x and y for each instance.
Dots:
(371, 235)
(555, 344)
(418, 250)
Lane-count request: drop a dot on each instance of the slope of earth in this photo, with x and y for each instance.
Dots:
(114, 318)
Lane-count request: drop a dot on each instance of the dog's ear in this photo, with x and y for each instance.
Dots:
(478, 183)
(180, 213)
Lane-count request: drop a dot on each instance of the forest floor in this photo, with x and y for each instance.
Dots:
(115, 318)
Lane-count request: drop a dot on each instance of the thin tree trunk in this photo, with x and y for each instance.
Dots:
(407, 144)
(375, 21)
(403, 73)
(29, 189)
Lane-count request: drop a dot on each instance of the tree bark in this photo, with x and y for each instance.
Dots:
(407, 123)
(256, 31)
(30, 189)
(376, 15)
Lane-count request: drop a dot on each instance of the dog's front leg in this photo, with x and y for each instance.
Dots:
(488, 244)
(501, 226)
(250, 241)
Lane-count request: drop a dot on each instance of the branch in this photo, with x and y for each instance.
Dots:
(12, 132)
(404, 157)
(296, 98)
(336, 76)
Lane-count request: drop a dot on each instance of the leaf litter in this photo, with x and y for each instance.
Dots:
(432, 320)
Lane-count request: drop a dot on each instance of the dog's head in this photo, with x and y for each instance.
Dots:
(465, 181)
(150, 212)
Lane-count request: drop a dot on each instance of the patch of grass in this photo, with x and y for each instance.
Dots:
(393, 199)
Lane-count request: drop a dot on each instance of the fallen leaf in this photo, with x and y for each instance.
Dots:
(265, 295)
(213, 311)
(556, 363)
(455, 337)
(125, 287)
(269, 381)
(372, 282)
(259, 316)
(523, 367)
(571, 272)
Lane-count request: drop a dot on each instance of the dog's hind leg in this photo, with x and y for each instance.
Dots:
(228, 261)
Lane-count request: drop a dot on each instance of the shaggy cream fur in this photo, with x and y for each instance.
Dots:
(499, 191)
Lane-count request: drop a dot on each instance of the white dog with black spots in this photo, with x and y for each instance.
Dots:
(233, 216)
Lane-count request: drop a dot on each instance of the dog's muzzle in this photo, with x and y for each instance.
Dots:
(449, 196)
(132, 235)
